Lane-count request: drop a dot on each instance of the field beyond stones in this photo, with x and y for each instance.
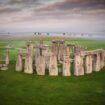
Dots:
(18, 88)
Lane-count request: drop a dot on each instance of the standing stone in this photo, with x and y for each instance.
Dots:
(30, 48)
(7, 58)
(40, 67)
(88, 64)
(47, 60)
(98, 65)
(55, 47)
(102, 59)
(78, 66)
(53, 69)
(66, 66)
(37, 54)
(61, 50)
(78, 62)
(67, 50)
(28, 64)
(45, 50)
(94, 59)
(19, 63)
(46, 55)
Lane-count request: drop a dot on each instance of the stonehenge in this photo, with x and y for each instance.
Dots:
(57, 59)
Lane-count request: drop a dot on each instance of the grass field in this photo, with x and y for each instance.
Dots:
(23, 89)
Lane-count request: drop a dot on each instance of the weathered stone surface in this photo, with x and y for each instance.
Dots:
(40, 67)
(53, 69)
(78, 66)
(61, 50)
(45, 50)
(94, 62)
(37, 54)
(98, 57)
(46, 54)
(30, 49)
(98, 65)
(55, 47)
(66, 66)
(78, 62)
(88, 64)
(67, 50)
(102, 59)
(41, 50)
(7, 57)
(77, 50)
(28, 64)
(47, 60)
(19, 63)
(4, 67)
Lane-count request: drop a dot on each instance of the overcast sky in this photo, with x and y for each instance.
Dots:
(53, 15)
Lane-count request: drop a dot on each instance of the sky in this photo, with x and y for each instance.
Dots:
(83, 16)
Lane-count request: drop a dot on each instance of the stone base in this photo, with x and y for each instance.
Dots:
(28, 72)
(88, 72)
(66, 74)
(53, 74)
(4, 68)
(18, 70)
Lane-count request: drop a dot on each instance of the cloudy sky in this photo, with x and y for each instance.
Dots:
(87, 16)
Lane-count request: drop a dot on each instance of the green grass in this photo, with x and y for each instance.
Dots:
(18, 88)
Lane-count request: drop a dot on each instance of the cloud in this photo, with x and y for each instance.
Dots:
(11, 6)
(77, 5)
(5, 10)
(25, 2)
(40, 13)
